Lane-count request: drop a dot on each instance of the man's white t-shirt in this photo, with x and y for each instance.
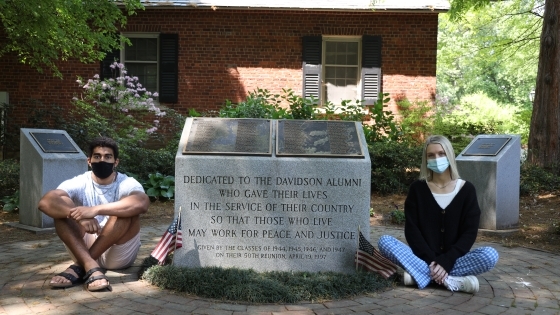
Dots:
(84, 191)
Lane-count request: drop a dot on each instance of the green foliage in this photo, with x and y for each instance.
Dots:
(394, 166)
(9, 177)
(300, 108)
(240, 285)
(116, 108)
(142, 161)
(494, 51)
(345, 111)
(159, 186)
(11, 203)
(397, 216)
(535, 179)
(259, 104)
(416, 121)
(478, 114)
(383, 128)
(41, 33)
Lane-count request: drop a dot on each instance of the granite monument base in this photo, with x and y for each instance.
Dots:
(494, 170)
(47, 158)
(271, 213)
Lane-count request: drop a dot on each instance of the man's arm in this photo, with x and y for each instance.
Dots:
(132, 205)
(56, 204)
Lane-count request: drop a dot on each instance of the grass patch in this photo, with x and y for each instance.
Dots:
(244, 285)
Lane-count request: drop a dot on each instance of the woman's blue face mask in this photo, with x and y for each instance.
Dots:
(438, 165)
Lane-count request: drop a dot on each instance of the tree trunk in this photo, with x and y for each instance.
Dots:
(544, 135)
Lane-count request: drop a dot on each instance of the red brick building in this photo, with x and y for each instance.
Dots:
(198, 55)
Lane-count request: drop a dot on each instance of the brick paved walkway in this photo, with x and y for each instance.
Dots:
(525, 281)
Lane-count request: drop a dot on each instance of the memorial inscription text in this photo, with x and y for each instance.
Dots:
(301, 210)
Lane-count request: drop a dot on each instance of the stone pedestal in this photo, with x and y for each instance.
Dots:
(492, 164)
(297, 210)
(47, 158)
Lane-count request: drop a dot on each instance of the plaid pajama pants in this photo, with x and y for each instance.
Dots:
(475, 262)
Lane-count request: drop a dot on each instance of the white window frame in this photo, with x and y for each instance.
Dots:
(326, 39)
(143, 35)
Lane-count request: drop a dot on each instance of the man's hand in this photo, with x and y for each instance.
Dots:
(91, 226)
(81, 213)
(437, 273)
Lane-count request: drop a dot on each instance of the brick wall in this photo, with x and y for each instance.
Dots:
(225, 54)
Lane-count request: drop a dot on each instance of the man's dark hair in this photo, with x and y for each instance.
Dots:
(103, 142)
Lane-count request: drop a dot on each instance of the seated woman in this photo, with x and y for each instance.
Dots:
(442, 217)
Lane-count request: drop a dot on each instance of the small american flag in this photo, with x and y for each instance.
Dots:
(171, 240)
(369, 258)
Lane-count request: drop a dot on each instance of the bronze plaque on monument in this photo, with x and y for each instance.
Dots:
(54, 142)
(229, 136)
(486, 146)
(318, 138)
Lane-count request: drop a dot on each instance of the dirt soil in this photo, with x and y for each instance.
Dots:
(539, 221)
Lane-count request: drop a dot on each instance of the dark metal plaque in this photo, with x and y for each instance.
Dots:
(486, 146)
(318, 139)
(54, 142)
(229, 136)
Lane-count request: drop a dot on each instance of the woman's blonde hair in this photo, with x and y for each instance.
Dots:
(427, 174)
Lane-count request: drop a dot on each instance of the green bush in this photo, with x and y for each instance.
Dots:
(259, 104)
(159, 186)
(9, 177)
(478, 114)
(394, 166)
(416, 121)
(397, 216)
(244, 285)
(381, 127)
(535, 179)
(11, 203)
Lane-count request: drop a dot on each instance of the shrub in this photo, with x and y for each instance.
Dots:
(159, 186)
(535, 179)
(9, 177)
(477, 114)
(259, 104)
(394, 166)
(383, 128)
(116, 107)
(416, 120)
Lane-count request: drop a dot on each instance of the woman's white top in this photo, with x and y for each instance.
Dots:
(444, 200)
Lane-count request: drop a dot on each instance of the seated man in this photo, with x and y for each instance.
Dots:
(97, 216)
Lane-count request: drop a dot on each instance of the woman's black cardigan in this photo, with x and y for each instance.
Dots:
(436, 234)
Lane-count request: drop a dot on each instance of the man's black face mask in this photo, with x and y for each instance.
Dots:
(102, 169)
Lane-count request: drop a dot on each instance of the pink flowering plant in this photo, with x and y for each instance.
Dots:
(118, 107)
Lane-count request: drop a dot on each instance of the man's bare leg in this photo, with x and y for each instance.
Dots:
(116, 231)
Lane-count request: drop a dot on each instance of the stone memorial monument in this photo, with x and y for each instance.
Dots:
(492, 163)
(272, 194)
(47, 158)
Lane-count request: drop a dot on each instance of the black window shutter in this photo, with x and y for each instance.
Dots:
(106, 72)
(168, 68)
(312, 54)
(371, 68)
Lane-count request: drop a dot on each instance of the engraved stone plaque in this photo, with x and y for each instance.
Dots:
(229, 136)
(486, 146)
(54, 142)
(318, 139)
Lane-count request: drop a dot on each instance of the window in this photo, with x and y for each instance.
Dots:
(342, 68)
(153, 58)
(141, 59)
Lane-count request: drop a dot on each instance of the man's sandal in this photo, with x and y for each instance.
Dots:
(89, 279)
(80, 272)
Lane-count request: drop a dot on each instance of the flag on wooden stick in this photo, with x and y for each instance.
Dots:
(170, 241)
(370, 259)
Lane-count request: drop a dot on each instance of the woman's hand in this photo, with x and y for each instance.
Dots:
(437, 273)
